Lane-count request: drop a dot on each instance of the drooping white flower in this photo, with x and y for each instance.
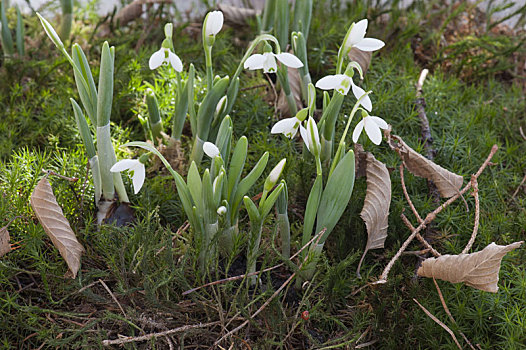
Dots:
(267, 61)
(213, 23)
(342, 83)
(139, 172)
(165, 56)
(221, 210)
(211, 150)
(356, 38)
(288, 127)
(372, 126)
(311, 136)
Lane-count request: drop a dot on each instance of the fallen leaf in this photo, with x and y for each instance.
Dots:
(57, 227)
(447, 183)
(479, 270)
(237, 16)
(5, 247)
(375, 211)
(363, 58)
(295, 88)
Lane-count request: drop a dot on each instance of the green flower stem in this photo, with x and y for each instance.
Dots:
(7, 39)
(20, 33)
(253, 248)
(283, 78)
(268, 15)
(209, 70)
(67, 18)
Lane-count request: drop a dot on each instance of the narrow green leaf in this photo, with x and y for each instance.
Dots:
(193, 180)
(7, 38)
(224, 138)
(20, 45)
(85, 132)
(252, 210)
(236, 165)
(270, 201)
(312, 208)
(105, 96)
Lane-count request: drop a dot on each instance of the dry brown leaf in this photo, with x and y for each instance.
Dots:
(57, 227)
(375, 210)
(448, 183)
(295, 87)
(5, 247)
(237, 16)
(133, 10)
(479, 270)
(363, 58)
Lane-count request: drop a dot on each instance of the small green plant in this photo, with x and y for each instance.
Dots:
(5, 32)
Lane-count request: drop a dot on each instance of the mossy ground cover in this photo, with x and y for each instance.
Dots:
(149, 265)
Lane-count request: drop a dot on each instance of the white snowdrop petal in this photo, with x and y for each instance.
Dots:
(380, 122)
(270, 65)
(305, 137)
(372, 130)
(311, 124)
(369, 44)
(210, 149)
(139, 174)
(124, 164)
(359, 92)
(330, 82)
(284, 126)
(175, 61)
(289, 60)
(357, 33)
(276, 172)
(255, 61)
(214, 23)
(357, 131)
(156, 59)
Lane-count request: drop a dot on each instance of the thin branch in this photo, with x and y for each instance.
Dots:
(446, 309)
(440, 323)
(112, 296)
(422, 240)
(431, 216)
(51, 172)
(475, 186)
(125, 340)
(519, 187)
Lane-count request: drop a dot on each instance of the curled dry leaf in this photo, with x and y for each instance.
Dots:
(363, 58)
(57, 227)
(5, 247)
(295, 88)
(479, 270)
(237, 16)
(375, 211)
(448, 183)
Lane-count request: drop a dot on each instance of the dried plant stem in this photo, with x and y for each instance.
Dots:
(51, 172)
(125, 340)
(276, 293)
(475, 186)
(440, 323)
(519, 187)
(234, 278)
(428, 246)
(112, 296)
(446, 309)
(431, 216)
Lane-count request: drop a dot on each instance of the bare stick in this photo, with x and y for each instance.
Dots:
(440, 323)
(475, 186)
(125, 340)
(446, 309)
(112, 296)
(180, 230)
(407, 198)
(522, 133)
(51, 172)
(425, 243)
(276, 293)
(253, 87)
(431, 216)
(234, 278)
(518, 187)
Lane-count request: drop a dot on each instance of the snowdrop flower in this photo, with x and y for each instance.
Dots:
(274, 175)
(372, 126)
(211, 150)
(267, 61)
(289, 126)
(342, 83)
(165, 56)
(356, 38)
(311, 137)
(221, 210)
(213, 23)
(139, 172)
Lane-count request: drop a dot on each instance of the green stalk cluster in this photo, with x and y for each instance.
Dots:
(5, 33)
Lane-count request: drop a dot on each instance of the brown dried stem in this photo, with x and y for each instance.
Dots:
(475, 186)
(440, 323)
(112, 296)
(431, 216)
(125, 340)
(425, 243)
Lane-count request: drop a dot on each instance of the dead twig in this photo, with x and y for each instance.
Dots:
(112, 296)
(440, 323)
(446, 309)
(51, 172)
(125, 340)
(253, 87)
(518, 187)
(180, 230)
(431, 216)
(475, 186)
(422, 240)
